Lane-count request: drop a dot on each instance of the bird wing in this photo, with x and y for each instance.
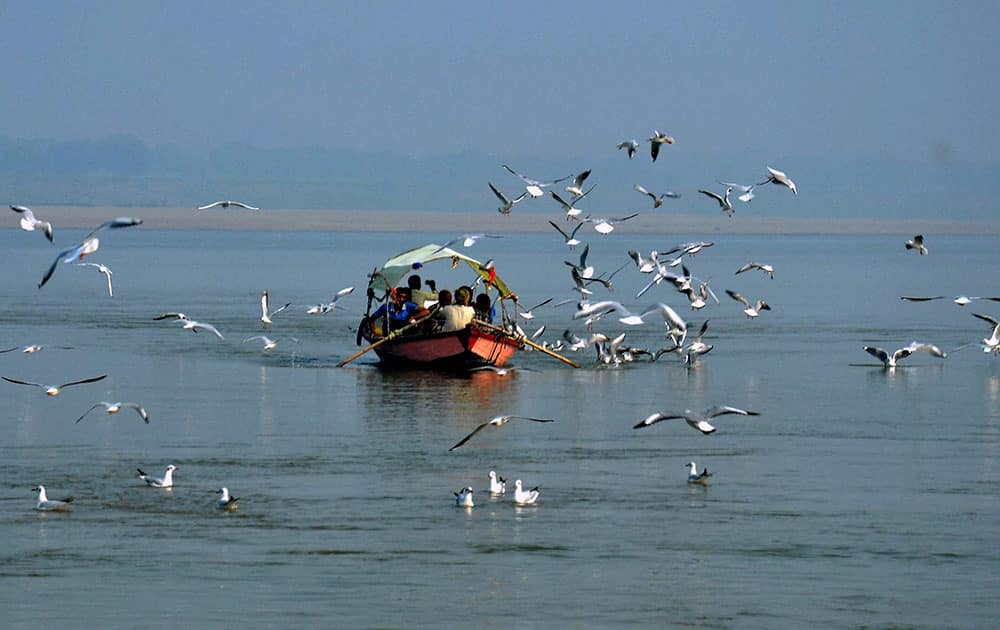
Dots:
(746, 267)
(739, 298)
(721, 410)
(928, 348)
(281, 309)
(740, 187)
(26, 211)
(139, 410)
(211, 205)
(657, 417)
(579, 179)
(713, 195)
(93, 379)
(565, 205)
(14, 380)
(529, 418)
(100, 404)
(910, 298)
(878, 353)
(502, 197)
(243, 205)
(170, 316)
(985, 318)
(644, 191)
(469, 436)
(52, 268)
(113, 224)
(560, 230)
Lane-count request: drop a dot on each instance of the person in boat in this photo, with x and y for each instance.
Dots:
(437, 318)
(401, 310)
(460, 314)
(418, 295)
(484, 309)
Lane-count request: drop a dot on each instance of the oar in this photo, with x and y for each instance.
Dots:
(529, 342)
(392, 335)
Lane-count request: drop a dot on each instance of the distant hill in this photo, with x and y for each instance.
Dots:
(123, 171)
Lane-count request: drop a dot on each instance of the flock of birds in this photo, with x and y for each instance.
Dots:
(666, 268)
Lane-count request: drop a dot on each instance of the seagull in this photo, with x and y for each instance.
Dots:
(103, 269)
(657, 201)
(498, 485)
(577, 188)
(690, 249)
(696, 420)
(991, 343)
(226, 502)
(467, 240)
(603, 307)
(571, 210)
(724, 203)
(180, 316)
(768, 269)
(698, 477)
(167, 481)
(498, 421)
(747, 191)
(227, 203)
(115, 407)
(269, 343)
(890, 360)
(46, 504)
(917, 243)
(630, 146)
(586, 271)
(53, 390)
(524, 497)
(607, 226)
(961, 300)
(779, 178)
(570, 238)
(508, 204)
(89, 245)
(533, 186)
(265, 308)
(527, 314)
(697, 347)
(579, 283)
(751, 311)
(575, 343)
(463, 498)
(322, 309)
(193, 326)
(29, 223)
(677, 326)
(33, 348)
(655, 141)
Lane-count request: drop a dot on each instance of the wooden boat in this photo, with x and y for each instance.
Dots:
(477, 345)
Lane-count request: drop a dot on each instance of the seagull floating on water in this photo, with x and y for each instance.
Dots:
(777, 177)
(53, 390)
(89, 245)
(29, 223)
(508, 204)
(103, 269)
(46, 504)
(698, 477)
(917, 243)
(115, 407)
(890, 360)
(225, 502)
(498, 485)
(699, 421)
(463, 498)
(524, 497)
(498, 421)
(227, 203)
(533, 186)
(166, 481)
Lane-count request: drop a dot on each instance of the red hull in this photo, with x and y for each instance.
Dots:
(457, 350)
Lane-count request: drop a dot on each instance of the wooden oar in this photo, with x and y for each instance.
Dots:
(392, 335)
(529, 342)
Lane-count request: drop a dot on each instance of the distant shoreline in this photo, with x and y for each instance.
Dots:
(649, 222)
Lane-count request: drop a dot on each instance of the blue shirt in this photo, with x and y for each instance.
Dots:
(402, 313)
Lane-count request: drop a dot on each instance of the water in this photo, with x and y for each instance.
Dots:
(859, 497)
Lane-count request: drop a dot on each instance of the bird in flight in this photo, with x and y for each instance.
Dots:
(498, 421)
(227, 203)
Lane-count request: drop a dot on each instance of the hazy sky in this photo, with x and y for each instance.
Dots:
(910, 80)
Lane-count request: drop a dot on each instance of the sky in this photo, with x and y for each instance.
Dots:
(771, 81)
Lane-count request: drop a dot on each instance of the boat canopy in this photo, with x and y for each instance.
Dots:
(410, 261)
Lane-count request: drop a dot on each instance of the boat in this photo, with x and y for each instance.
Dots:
(418, 345)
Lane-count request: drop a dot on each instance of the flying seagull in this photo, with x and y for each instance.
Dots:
(751, 310)
(227, 203)
(498, 421)
(46, 504)
(917, 243)
(115, 407)
(607, 226)
(53, 390)
(570, 238)
(265, 308)
(747, 191)
(655, 141)
(768, 269)
(29, 223)
(890, 360)
(630, 146)
(724, 203)
(657, 200)
(576, 189)
(322, 309)
(533, 186)
(779, 178)
(103, 269)
(467, 240)
(961, 300)
(699, 421)
(508, 204)
(89, 245)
